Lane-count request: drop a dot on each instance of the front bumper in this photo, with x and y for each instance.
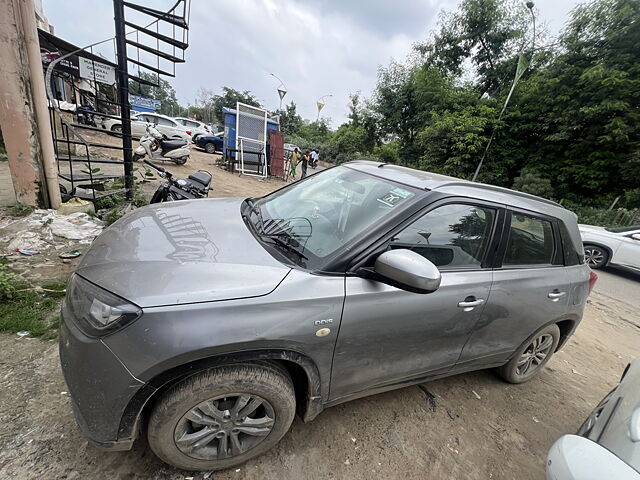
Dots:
(101, 387)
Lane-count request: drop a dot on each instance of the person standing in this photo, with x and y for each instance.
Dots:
(314, 158)
(305, 162)
(295, 158)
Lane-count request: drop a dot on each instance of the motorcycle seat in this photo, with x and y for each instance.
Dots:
(201, 176)
(172, 144)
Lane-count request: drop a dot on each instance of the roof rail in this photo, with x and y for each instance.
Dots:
(484, 186)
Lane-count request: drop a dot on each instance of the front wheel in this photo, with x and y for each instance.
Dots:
(222, 417)
(210, 147)
(532, 356)
(596, 257)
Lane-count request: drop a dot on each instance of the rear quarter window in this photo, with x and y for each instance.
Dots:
(530, 241)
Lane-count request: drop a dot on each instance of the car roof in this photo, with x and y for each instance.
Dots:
(455, 186)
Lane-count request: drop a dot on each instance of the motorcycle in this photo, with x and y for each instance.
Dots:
(84, 115)
(197, 185)
(174, 150)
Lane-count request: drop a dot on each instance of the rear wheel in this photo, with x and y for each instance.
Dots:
(117, 128)
(532, 356)
(210, 147)
(596, 257)
(182, 160)
(222, 417)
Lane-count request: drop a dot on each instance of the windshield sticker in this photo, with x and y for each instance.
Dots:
(394, 197)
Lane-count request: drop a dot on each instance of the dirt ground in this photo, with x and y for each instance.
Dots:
(504, 434)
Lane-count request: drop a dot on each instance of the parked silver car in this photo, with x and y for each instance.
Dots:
(607, 445)
(208, 324)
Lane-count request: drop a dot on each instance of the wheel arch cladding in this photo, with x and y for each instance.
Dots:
(303, 371)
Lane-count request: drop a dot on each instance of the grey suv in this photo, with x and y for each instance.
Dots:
(209, 323)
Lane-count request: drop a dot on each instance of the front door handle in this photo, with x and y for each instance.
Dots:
(469, 303)
(555, 295)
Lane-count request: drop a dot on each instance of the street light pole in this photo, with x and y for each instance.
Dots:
(320, 104)
(282, 89)
(520, 69)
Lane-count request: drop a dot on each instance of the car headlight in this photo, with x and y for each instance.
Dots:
(97, 311)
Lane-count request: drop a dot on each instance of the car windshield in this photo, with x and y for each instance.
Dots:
(623, 229)
(315, 218)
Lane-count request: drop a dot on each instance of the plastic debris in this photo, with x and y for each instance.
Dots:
(70, 254)
(453, 450)
(353, 440)
(575, 372)
(476, 394)
(64, 393)
(27, 252)
(347, 462)
(237, 470)
(188, 478)
(206, 475)
(536, 420)
(23, 333)
(75, 205)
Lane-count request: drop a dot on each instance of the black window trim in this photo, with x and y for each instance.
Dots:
(489, 257)
(558, 253)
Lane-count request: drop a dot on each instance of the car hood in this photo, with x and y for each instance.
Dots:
(591, 228)
(182, 252)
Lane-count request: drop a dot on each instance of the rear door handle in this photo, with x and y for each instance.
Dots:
(555, 295)
(469, 303)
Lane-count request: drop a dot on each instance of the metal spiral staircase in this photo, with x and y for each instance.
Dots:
(147, 41)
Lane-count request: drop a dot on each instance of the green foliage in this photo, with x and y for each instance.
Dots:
(602, 216)
(210, 104)
(388, 153)
(8, 283)
(571, 129)
(21, 210)
(290, 122)
(163, 92)
(33, 310)
(531, 181)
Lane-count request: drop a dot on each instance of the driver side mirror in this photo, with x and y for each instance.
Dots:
(405, 269)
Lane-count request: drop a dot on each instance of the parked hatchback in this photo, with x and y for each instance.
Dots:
(208, 324)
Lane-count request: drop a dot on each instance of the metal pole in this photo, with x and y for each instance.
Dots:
(123, 91)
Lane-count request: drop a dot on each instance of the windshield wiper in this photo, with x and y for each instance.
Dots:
(284, 244)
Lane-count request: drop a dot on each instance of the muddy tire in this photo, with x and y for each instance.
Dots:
(532, 356)
(222, 417)
(182, 161)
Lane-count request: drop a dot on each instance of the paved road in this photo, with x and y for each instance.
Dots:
(620, 285)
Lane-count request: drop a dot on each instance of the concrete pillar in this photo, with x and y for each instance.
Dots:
(18, 118)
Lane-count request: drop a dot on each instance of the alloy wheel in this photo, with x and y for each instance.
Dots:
(593, 256)
(224, 427)
(534, 355)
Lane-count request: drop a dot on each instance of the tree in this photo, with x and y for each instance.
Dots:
(163, 92)
(290, 121)
(228, 99)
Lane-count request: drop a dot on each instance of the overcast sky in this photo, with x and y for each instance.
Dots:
(317, 47)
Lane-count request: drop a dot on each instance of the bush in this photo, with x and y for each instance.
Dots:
(8, 283)
(603, 217)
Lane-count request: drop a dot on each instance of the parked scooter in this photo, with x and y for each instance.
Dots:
(157, 146)
(196, 186)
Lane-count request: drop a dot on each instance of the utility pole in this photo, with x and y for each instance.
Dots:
(123, 92)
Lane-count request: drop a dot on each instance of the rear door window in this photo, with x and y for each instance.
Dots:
(453, 236)
(531, 241)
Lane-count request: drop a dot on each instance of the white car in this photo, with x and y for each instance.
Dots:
(194, 127)
(607, 445)
(290, 147)
(616, 246)
(139, 122)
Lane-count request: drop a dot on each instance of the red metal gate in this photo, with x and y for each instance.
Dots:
(276, 153)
